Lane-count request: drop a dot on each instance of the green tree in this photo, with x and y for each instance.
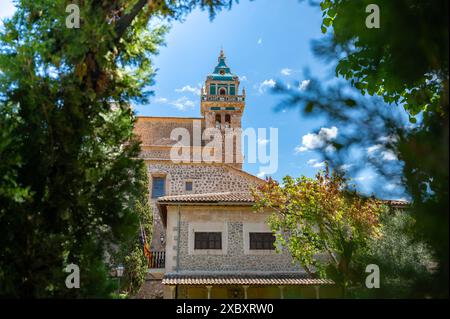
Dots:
(70, 177)
(411, 71)
(322, 224)
(405, 265)
(130, 253)
(403, 63)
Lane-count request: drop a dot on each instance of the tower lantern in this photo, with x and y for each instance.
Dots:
(221, 103)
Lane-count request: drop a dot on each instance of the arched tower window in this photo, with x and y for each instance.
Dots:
(222, 91)
(227, 120)
(218, 120)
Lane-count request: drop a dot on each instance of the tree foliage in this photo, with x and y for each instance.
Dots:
(411, 71)
(405, 60)
(70, 179)
(404, 63)
(129, 253)
(320, 222)
(405, 265)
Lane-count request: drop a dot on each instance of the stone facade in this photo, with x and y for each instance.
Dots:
(155, 131)
(205, 178)
(176, 222)
(221, 107)
(235, 223)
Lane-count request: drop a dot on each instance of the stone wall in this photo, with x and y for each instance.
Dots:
(233, 257)
(206, 178)
(156, 130)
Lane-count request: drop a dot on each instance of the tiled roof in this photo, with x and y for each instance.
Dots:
(225, 197)
(243, 279)
(397, 203)
(238, 197)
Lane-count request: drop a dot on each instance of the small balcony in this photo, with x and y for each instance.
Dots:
(223, 98)
(157, 260)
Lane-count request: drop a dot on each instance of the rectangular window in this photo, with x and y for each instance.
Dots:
(212, 89)
(158, 187)
(262, 241)
(208, 240)
(188, 186)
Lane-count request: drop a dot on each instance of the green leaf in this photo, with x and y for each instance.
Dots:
(327, 21)
(325, 4)
(350, 102)
(309, 107)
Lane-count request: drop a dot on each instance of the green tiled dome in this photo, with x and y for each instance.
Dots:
(222, 71)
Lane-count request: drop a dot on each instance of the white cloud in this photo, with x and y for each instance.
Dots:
(262, 141)
(313, 141)
(299, 149)
(161, 100)
(188, 88)
(259, 41)
(243, 78)
(261, 174)
(315, 163)
(304, 85)
(390, 186)
(363, 177)
(346, 167)
(286, 71)
(266, 84)
(388, 139)
(389, 155)
(374, 148)
(182, 103)
(386, 155)
(8, 9)
(330, 148)
(320, 164)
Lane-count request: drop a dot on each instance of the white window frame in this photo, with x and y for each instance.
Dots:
(248, 228)
(194, 227)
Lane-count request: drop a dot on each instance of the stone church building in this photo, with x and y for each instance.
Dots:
(207, 242)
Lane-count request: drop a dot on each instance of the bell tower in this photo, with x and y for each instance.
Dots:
(222, 105)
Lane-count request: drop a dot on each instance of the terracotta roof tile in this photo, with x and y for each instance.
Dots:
(225, 197)
(243, 279)
(397, 203)
(239, 197)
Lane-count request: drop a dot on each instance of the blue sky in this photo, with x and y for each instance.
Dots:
(264, 41)
(250, 37)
